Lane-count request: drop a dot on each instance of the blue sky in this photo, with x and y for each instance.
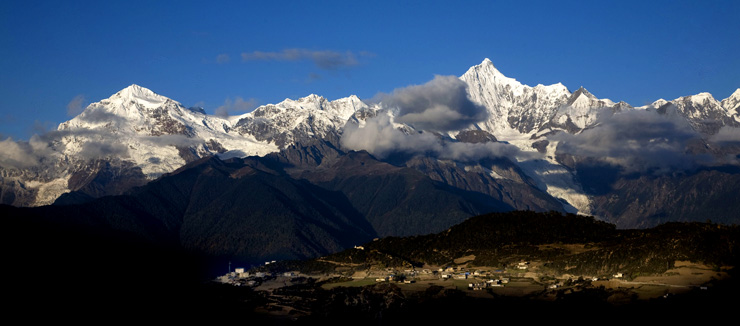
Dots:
(58, 55)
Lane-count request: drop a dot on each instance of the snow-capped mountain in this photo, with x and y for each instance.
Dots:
(292, 121)
(705, 114)
(161, 135)
(140, 129)
(515, 108)
(520, 115)
(155, 132)
(139, 135)
(732, 105)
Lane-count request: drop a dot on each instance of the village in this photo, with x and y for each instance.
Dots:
(523, 278)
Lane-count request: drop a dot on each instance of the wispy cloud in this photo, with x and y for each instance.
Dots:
(237, 106)
(223, 58)
(75, 106)
(41, 127)
(727, 135)
(324, 59)
(313, 77)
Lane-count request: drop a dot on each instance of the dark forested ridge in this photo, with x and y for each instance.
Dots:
(251, 210)
(560, 250)
(155, 248)
(504, 239)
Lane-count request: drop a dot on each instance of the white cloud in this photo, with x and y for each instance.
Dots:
(237, 106)
(381, 138)
(441, 104)
(75, 106)
(223, 58)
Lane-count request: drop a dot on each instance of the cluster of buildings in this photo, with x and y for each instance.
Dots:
(484, 279)
(241, 277)
(488, 284)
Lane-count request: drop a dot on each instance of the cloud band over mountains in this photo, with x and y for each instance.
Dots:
(97, 145)
(440, 105)
(638, 141)
(324, 59)
(380, 137)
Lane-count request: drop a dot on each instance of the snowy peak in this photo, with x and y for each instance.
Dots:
(703, 97)
(704, 113)
(133, 108)
(656, 104)
(311, 98)
(347, 106)
(340, 109)
(735, 95)
(488, 73)
(557, 90)
(582, 98)
(732, 103)
(139, 95)
(292, 121)
(697, 102)
(151, 131)
(582, 91)
(136, 91)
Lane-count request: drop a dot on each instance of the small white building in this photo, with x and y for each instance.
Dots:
(460, 276)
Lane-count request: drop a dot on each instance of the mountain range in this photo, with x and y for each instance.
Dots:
(323, 175)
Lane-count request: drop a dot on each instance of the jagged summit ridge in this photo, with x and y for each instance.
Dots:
(157, 134)
(732, 105)
(517, 109)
